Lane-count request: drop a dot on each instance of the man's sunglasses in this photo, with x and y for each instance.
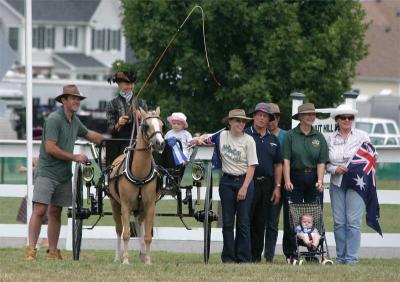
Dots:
(346, 117)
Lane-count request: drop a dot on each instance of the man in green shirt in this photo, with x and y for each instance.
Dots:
(53, 187)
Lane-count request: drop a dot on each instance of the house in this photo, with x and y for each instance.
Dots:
(379, 72)
(72, 39)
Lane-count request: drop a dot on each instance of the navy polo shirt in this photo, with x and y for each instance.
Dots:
(268, 152)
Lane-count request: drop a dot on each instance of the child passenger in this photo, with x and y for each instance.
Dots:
(307, 232)
(179, 124)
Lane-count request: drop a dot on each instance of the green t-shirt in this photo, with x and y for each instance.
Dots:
(64, 132)
(305, 151)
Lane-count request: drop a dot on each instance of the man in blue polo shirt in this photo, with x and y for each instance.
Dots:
(267, 182)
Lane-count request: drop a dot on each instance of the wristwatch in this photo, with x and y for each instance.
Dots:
(277, 185)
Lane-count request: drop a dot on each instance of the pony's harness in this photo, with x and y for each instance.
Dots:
(125, 164)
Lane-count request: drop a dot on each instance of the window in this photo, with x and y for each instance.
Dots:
(70, 37)
(115, 40)
(391, 141)
(365, 126)
(43, 37)
(106, 39)
(13, 33)
(391, 129)
(379, 128)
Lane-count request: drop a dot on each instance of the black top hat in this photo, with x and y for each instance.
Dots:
(123, 76)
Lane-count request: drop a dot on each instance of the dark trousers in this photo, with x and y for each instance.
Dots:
(303, 191)
(264, 220)
(235, 249)
(271, 228)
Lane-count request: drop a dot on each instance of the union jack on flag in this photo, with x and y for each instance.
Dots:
(361, 178)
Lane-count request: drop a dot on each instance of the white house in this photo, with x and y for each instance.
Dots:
(72, 39)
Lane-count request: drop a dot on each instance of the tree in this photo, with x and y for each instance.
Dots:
(259, 51)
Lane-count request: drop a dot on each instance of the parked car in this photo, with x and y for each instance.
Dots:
(385, 139)
(377, 126)
(381, 131)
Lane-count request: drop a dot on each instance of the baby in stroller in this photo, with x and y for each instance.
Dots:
(307, 232)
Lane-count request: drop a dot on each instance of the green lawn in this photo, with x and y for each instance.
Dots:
(99, 266)
(388, 221)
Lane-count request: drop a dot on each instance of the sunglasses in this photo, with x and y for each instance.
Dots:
(239, 120)
(346, 117)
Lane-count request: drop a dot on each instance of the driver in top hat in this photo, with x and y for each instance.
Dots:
(120, 115)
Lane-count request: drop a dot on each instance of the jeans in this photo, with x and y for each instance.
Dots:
(347, 210)
(235, 249)
(303, 191)
(264, 220)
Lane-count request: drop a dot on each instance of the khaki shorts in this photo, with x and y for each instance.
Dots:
(49, 191)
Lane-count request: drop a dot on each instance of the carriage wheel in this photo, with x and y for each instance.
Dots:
(208, 215)
(77, 205)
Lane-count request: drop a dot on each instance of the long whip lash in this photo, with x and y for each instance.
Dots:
(172, 40)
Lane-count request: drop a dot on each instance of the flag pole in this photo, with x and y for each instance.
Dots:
(28, 104)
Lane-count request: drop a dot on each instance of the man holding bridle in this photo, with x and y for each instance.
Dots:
(53, 187)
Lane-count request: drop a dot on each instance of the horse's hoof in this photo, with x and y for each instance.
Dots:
(126, 261)
(117, 259)
(142, 257)
(147, 262)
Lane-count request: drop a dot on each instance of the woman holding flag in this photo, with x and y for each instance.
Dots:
(347, 205)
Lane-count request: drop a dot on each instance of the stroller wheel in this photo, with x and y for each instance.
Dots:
(327, 262)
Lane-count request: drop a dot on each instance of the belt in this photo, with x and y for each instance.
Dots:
(235, 177)
(262, 178)
(305, 170)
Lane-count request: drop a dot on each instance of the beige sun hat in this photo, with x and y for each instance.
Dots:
(236, 113)
(274, 108)
(307, 108)
(343, 109)
(72, 90)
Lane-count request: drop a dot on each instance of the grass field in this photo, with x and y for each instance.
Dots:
(389, 216)
(99, 266)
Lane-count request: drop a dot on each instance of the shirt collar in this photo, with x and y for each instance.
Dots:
(312, 132)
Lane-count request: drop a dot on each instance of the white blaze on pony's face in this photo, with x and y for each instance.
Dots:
(152, 129)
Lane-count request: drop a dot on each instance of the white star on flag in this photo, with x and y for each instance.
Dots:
(360, 182)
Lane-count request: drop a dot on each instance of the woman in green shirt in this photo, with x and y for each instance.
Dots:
(305, 153)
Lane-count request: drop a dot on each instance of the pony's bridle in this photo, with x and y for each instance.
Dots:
(145, 128)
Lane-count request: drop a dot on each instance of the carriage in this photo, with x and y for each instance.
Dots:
(169, 177)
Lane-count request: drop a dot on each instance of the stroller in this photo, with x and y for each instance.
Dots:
(320, 254)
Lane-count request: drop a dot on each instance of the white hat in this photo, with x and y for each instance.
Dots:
(178, 117)
(343, 109)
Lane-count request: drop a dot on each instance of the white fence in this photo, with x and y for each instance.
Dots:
(11, 148)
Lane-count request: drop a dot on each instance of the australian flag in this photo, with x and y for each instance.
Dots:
(361, 178)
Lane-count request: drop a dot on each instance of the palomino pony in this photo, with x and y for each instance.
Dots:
(133, 186)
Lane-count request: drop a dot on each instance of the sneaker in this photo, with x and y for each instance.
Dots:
(56, 255)
(30, 253)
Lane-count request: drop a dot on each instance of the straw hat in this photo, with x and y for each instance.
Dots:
(343, 109)
(71, 90)
(178, 117)
(307, 108)
(236, 113)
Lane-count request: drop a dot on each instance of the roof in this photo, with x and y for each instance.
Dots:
(382, 36)
(58, 10)
(78, 60)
